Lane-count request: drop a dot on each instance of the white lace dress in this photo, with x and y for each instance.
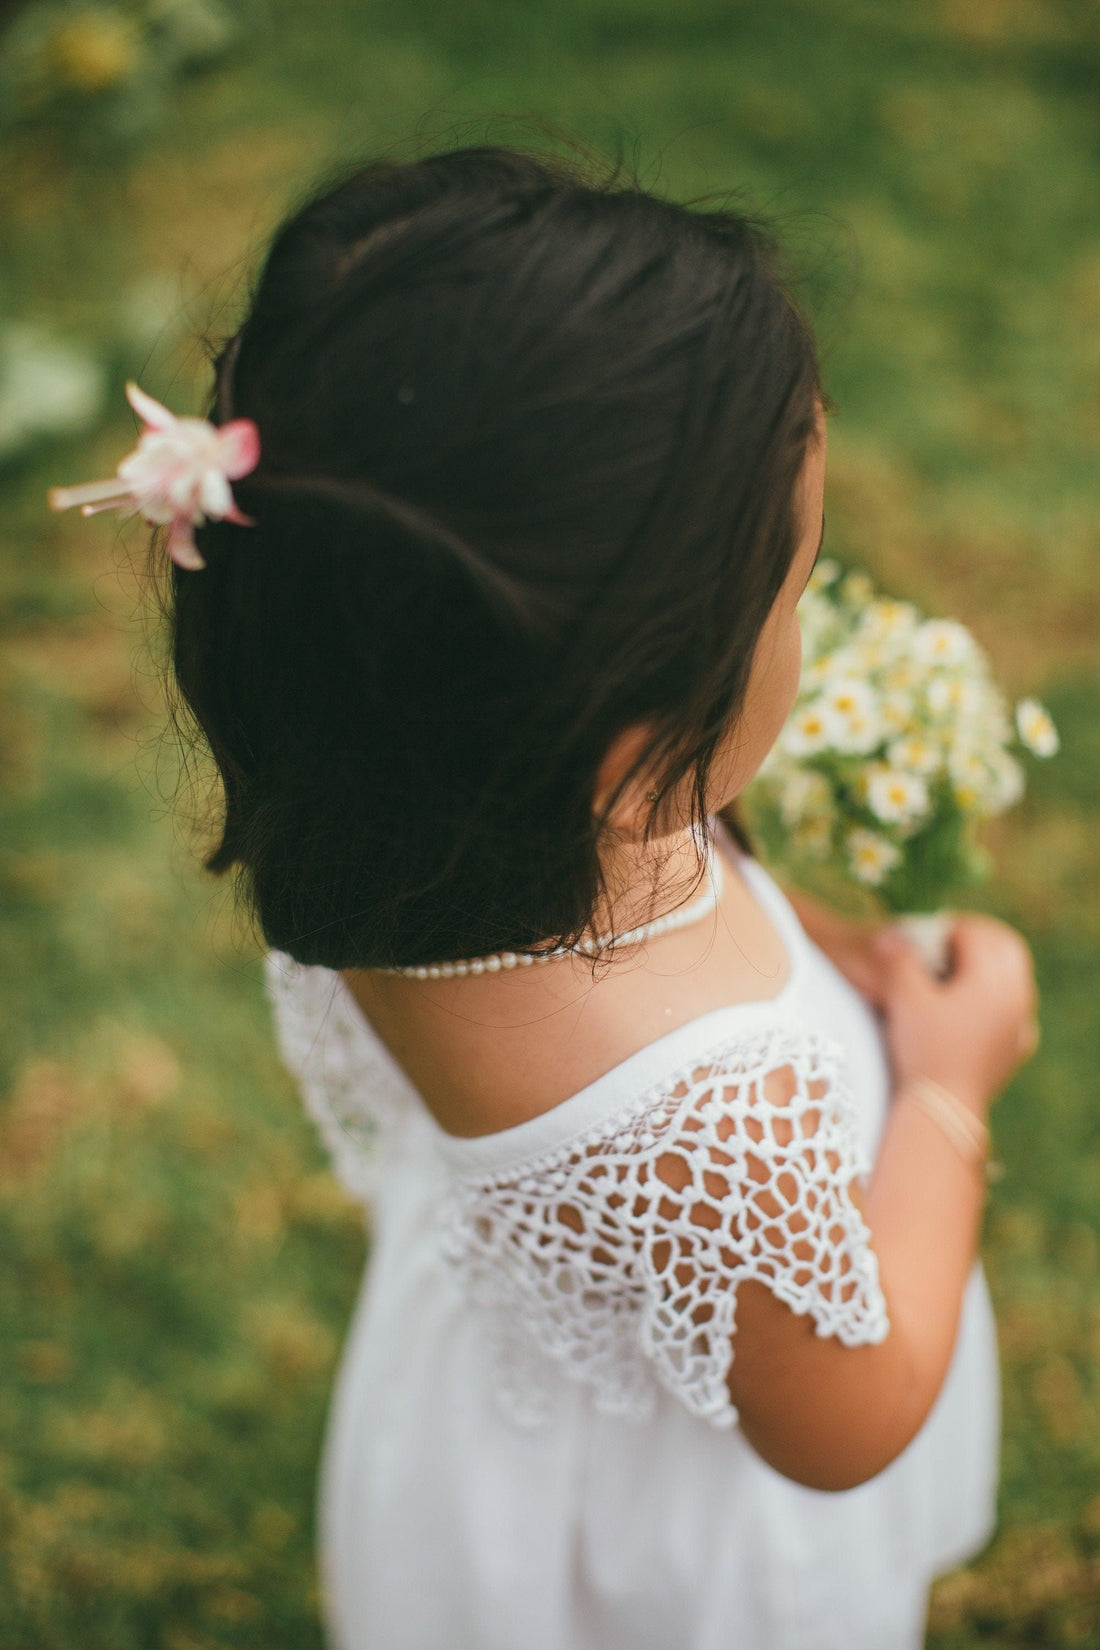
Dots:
(531, 1445)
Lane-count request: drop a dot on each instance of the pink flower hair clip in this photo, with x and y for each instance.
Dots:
(178, 475)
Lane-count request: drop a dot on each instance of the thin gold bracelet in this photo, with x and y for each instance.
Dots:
(966, 1132)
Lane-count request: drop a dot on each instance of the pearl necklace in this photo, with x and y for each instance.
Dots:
(680, 918)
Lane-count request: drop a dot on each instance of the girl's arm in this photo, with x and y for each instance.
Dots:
(832, 1416)
(828, 1415)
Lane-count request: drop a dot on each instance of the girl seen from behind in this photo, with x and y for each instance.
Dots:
(672, 1335)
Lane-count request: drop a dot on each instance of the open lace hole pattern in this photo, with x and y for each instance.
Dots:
(618, 1254)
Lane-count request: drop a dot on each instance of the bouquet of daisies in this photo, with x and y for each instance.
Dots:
(899, 744)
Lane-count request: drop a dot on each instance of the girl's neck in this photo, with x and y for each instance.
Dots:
(647, 880)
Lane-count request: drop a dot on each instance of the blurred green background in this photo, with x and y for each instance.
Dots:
(178, 1264)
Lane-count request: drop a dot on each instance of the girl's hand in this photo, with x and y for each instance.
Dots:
(971, 1031)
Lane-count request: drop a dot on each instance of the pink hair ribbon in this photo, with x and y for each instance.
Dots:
(177, 476)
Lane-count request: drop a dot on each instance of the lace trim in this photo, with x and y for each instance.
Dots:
(619, 1252)
(616, 1254)
(349, 1088)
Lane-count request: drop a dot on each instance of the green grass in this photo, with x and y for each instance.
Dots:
(179, 1265)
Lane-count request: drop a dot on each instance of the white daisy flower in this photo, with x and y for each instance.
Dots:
(871, 654)
(809, 730)
(896, 797)
(985, 713)
(1035, 728)
(850, 705)
(844, 661)
(888, 620)
(902, 676)
(943, 642)
(897, 711)
(849, 695)
(871, 855)
(959, 697)
(830, 665)
(914, 754)
(858, 735)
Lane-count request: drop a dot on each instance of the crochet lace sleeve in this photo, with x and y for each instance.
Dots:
(620, 1255)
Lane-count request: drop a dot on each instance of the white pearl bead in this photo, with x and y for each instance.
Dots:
(585, 947)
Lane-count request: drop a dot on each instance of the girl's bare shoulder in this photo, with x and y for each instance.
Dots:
(491, 1051)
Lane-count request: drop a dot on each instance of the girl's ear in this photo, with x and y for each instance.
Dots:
(632, 807)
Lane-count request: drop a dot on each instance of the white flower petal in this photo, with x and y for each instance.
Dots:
(943, 642)
(215, 495)
(1036, 729)
(896, 797)
(871, 855)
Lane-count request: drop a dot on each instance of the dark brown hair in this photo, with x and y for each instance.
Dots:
(530, 446)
